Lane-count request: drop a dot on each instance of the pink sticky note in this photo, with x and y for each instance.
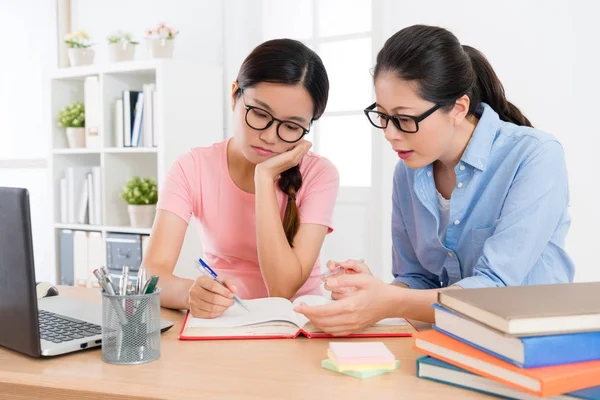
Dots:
(360, 353)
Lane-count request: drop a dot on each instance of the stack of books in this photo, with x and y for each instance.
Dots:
(360, 360)
(516, 342)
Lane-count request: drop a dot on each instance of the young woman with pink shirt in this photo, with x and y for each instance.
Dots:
(262, 201)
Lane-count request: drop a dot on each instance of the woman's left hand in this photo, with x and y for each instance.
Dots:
(274, 166)
(370, 303)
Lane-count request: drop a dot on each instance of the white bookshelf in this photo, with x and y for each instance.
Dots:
(189, 113)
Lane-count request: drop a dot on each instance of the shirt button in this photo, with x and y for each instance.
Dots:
(428, 173)
(450, 254)
(459, 184)
(462, 167)
(456, 222)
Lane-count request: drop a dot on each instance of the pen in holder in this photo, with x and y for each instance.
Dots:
(131, 327)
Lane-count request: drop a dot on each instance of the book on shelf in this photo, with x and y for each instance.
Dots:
(118, 123)
(136, 129)
(129, 102)
(66, 264)
(274, 317)
(147, 116)
(63, 193)
(155, 118)
(80, 195)
(81, 252)
(80, 258)
(91, 95)
(135, 117)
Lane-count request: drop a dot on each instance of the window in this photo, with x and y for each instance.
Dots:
(340, 32)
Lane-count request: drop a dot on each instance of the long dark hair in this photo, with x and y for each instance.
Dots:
(445, 70)
(288, 62)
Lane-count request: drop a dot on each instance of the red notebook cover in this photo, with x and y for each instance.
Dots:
(387, 331)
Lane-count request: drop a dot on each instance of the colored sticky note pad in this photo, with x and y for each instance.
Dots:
(359, 365)
(360, 353)
(330, 365)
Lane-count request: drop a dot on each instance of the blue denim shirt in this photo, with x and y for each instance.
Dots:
(508, 214)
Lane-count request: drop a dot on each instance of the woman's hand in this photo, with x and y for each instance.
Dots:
(208, 299)
(371, 302)
(337, 268)
(274, 166)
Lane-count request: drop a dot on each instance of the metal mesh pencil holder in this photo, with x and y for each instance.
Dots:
(131, 328)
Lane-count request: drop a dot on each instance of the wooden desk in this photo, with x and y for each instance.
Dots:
(258, 369)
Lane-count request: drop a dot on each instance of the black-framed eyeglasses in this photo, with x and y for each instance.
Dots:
(260, 119)
(405, 123)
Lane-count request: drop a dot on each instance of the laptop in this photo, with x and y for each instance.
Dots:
(38, 327)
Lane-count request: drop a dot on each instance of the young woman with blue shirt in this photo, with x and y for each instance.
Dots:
(480, 197)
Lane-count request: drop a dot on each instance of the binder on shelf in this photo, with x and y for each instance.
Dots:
(148, 114)
(97, 194)
(118, 123)
(95, 255)
(91, 95)
(64, 213)
(76, 182)
(80, 258)
(122, 249)
(66, 265)
(136, 131)
(155, 117)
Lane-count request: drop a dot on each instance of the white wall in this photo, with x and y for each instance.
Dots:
(546, 54)
(199, 23)
(28, 45)
(213, 32)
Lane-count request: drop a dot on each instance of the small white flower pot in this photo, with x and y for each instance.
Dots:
(161, 48)
(76, 137)
(78, 56)
(124, 51)
(141, 216)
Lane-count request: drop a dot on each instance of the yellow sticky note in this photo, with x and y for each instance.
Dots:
(328, 364)
(359, 366)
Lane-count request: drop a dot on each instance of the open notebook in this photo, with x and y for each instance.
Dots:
(275, 317)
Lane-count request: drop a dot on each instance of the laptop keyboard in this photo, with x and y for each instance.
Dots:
(59, 328)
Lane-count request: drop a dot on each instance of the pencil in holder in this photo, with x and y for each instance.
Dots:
(131, 328)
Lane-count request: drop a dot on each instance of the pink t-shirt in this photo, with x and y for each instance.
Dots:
(199, 185)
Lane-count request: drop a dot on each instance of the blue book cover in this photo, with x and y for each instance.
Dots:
(489, 386)
(544, 351)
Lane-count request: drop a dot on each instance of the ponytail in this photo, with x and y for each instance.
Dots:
(445, 71)
(289, 183)
(489, 89)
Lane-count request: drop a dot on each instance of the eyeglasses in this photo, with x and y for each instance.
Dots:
(260, 120)
(405, 123)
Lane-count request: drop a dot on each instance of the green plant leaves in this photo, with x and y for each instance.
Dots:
(140, 191)
(72, 116)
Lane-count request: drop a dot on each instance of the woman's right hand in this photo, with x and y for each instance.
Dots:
(208, 299)
(345, 267)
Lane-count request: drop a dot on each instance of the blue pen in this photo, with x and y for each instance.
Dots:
(213, 275)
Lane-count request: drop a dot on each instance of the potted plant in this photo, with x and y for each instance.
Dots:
(80, 52)
(141, 196)
(72, 118)
(161, 41)
(121, 47)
